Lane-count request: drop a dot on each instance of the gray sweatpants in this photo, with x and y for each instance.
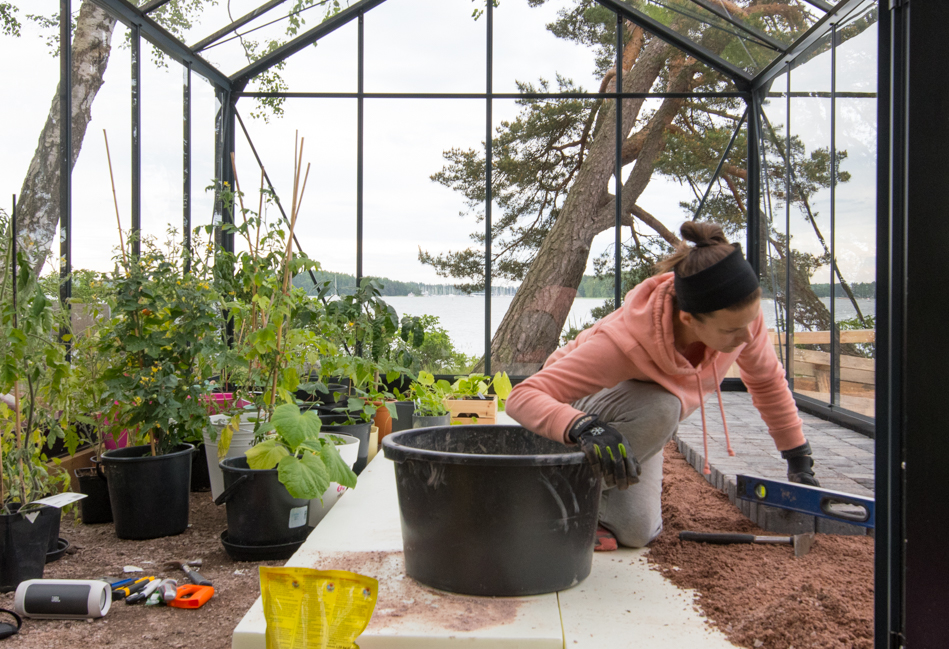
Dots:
(648, 415)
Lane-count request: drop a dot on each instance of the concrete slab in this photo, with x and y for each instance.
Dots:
(625, 604)
(363, 533)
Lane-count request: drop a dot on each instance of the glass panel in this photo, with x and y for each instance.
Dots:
(757, 40)
(95, 237)
(855, 213)
(527, 51)
(202, 151)
(407, 213)
(809, 220)
(424, 46)
(162, 109)
(774, 212)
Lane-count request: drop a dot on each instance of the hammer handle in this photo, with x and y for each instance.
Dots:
(712, 537)
(194, 576)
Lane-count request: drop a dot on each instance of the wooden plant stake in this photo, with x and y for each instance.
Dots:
(115, 199)
(16, 382)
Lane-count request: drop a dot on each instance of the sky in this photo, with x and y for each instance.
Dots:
(411, 45)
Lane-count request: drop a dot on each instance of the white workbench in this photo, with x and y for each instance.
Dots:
(621, 604)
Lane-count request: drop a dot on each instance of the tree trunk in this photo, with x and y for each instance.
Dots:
(530, 330)
(38, 204)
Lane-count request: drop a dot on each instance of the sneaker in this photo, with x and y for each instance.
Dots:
(605, 541)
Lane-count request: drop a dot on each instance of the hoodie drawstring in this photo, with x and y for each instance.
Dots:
(721, 408)
(718, 390)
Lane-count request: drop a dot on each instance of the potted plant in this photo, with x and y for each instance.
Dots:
(165, 326)
(268, 491)
(429, 397)
(34, 373)
(470, 401)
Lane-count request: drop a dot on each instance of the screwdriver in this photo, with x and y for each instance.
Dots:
(143, 594)
(134, 587)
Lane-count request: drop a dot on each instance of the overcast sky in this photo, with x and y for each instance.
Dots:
(411, 45)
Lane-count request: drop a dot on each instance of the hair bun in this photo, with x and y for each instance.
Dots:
(703, 234)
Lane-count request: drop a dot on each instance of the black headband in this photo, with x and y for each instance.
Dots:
(721, 285)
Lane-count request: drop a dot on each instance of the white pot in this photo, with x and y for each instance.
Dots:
(242, 440)
(349, 451)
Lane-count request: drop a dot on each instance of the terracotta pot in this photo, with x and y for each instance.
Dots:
(383, 420)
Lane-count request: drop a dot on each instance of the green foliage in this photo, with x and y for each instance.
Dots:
(438, 354)
(306, 463)
(35, 375)
(429, 395)
(867, 350)
(478, 385)
(165, 328)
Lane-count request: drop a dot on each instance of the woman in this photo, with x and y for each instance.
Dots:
(622, 387)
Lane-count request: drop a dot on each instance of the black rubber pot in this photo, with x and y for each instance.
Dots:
(55, 516)
(200, 477)
(428, 421)
(260, 510)
(150, 495)
(95, 507)
(359, 431)
(23, 547)
(493, 510)
(404, 410)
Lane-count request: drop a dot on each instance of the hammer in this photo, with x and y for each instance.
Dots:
(193, 575)
(801, 542)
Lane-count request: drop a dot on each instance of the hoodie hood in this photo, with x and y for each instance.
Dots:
(648, 318)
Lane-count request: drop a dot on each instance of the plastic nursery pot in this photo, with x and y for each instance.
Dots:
(332, 424)
(419, 421)
(403, 418)
(241, 440)
(96, 506)
(24, 542)
(149, 494)
(260, 510)
(200, 475)
(493, 510)
(348, 450)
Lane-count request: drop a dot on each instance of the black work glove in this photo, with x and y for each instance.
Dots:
(801, 465)
(607, 450)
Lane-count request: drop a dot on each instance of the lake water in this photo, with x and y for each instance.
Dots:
(463, 316)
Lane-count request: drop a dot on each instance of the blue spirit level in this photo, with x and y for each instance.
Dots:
(816, 501)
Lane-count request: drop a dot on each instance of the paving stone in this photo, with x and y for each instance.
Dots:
(828, 526)
(781, 521)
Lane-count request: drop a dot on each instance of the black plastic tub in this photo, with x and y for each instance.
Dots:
(150, 495)
(260, 510)
(493, 510)
(23, 546)
(96, 506)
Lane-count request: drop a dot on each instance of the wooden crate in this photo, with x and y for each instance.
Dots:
(465, 411)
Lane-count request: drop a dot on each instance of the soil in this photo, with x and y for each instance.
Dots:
(98, 553)
(761, 597)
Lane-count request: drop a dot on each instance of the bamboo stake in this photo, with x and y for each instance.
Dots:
(16, 382)
(115, 200)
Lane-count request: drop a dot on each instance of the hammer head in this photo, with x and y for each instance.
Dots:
(802, 543)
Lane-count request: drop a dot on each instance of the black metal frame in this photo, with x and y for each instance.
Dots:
(910, 165)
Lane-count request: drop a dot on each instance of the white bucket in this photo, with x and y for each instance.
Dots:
(241, 441)
(349, 452)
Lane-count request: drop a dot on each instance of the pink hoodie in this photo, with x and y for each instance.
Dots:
(636, 342)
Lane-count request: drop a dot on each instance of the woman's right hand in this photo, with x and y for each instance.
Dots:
(607, 450)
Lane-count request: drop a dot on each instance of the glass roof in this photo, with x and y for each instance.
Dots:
(749, 34)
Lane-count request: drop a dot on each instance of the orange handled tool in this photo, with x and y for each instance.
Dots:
(192, 596)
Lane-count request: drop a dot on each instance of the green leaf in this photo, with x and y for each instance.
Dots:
(304, 477)
(266, 455)
(339, 471)
(293, 426)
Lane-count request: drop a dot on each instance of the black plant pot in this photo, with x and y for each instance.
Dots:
(332, 423)
(95, 507)
(200, 477)
(150, 495)
(23, 546)
(260, 510)
(404, 410)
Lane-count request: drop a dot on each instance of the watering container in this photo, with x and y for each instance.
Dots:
(493, 510)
